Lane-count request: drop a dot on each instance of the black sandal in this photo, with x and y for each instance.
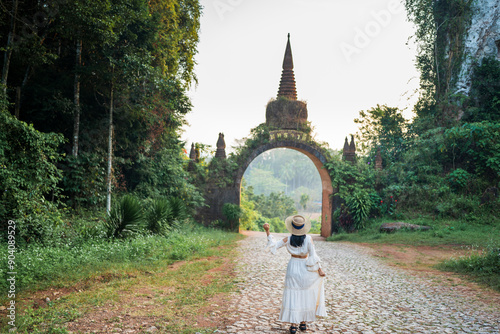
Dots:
(293, 329)
(303, 326)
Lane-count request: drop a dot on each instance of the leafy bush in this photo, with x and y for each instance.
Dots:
(474, 147)
(276, 205)
(458, 179)
(485, 92)
(276, 225)
(355, 186)
(179, 209)
(125, 218)
(28, 172)
(346, 222)
(232, 212)
(315, 226)
(360, 205)
(248, 219)
(84, 180)
(163, 175)
(165, 214)
(158, 217)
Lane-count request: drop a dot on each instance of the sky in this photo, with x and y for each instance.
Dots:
(349, 55)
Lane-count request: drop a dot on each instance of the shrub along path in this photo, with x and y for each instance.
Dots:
(364, 295)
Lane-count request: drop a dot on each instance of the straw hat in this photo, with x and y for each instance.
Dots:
(297, 225)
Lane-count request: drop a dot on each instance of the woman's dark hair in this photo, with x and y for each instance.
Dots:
(297, 240)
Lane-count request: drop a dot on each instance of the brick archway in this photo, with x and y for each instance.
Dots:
(313, 153)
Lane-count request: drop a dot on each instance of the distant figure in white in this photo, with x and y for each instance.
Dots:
(304, 294)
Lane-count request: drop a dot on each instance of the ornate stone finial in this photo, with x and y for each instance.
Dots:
(287, 84)
(349, 152)
(192, 153)
(352, 146)
(221, 147)
(192, 158)
(346, 146)
(378, 159)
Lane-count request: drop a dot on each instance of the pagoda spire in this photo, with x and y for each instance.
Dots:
(287, 84)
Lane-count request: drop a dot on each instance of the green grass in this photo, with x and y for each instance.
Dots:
(483, 268)
(443, 232)
(103, 273)
(39, 267)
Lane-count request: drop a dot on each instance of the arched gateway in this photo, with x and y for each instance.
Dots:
(286, 127)
(292, 141)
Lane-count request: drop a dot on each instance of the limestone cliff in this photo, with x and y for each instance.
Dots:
(482, 40)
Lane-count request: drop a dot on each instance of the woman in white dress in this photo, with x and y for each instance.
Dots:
(304, 294)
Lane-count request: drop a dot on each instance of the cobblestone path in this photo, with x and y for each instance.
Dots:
(363, 295)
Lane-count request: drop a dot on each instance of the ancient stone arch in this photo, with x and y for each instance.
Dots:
(312, 152)
(287, 126)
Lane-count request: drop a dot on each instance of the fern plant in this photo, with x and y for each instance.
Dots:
(359, 204)
(165, 214)
(125, 218)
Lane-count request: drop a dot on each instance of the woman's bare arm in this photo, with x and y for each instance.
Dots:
(266, 228)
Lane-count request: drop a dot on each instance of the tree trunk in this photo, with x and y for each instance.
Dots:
(18, 101)
(76, 124)
(8, 51)
(110, 149)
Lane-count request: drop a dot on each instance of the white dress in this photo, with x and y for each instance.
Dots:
(304, 294)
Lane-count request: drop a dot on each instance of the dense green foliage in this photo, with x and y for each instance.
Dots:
(129, 216)
(277, 184)
(484, 104)
(260, 209)
(125, 218)
(94, 72)
(288, 171)
(29, 177)
(382, 128)
(233, 213)
(442, 169)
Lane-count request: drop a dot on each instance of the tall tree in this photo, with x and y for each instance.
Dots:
(76, 97)
(382, 127)
(9, 46)
(113, 81)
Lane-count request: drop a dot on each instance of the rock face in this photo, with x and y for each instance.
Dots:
(393, 227)
(482, 40)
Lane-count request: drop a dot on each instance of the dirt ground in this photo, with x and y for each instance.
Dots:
(137, 310)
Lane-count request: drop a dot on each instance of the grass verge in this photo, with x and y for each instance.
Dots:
(169, 283)
(443, 232)
(481, 267)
